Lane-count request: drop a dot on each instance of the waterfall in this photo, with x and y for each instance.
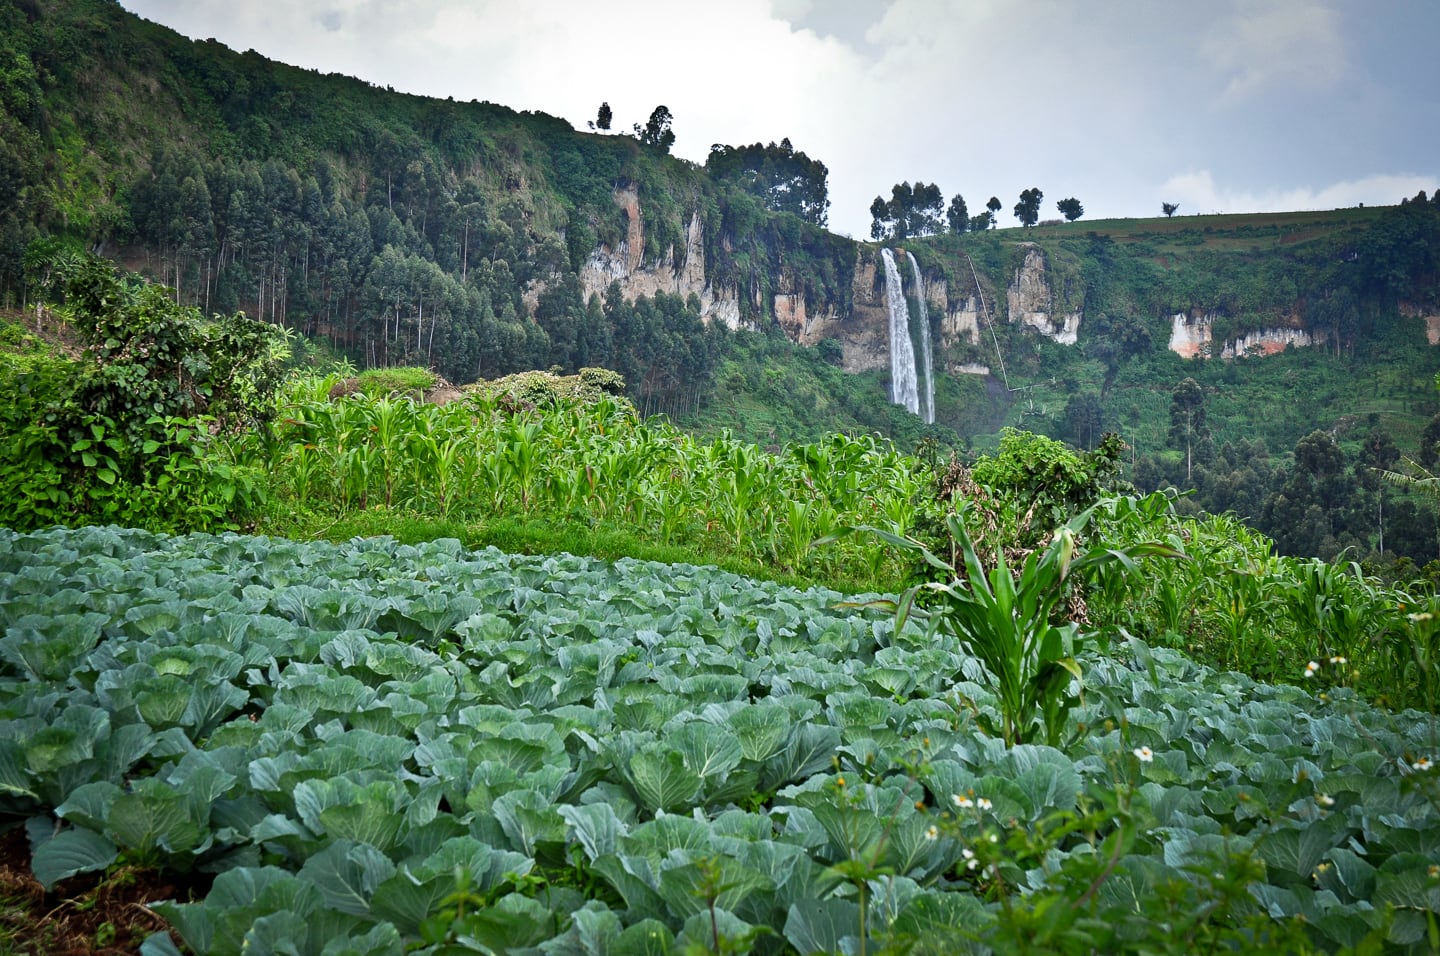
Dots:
(927, 356)
(903, 389)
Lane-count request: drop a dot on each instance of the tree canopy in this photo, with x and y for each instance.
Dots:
(784, 178)
(1070, 209)
(958, 214)
(911, 211)
(1027, 210)
(656, 131)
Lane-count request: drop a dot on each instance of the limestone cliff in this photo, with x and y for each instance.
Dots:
(1030, 301)
(1428, 316)
(861, 329)
(1191, 336)
(682, 274)
(864, 333)
(958, 304)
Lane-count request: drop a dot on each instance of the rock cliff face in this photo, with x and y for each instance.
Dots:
(962, 322)
(1432, 322)
(865, 332)
(1030, 301)
(1269, 342)
(627, 266)
(1191, 336)
(862, 332)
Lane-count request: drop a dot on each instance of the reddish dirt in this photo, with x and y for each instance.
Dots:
(87, 915)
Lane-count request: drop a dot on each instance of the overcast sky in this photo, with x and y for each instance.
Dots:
(1219, 106)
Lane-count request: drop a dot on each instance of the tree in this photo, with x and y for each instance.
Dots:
(1378, 455)
(1187, 419)
(957, 214)
(784, 178)
(1430, 443)
(879, 217)
(1168, 208)
(1084, 420)
(657, 131)
(911, 211)
(982, 221)
(603, 118)
(1070, 209)
(925, 210)
(1304, 515)
(1027, 210)
(994, 206)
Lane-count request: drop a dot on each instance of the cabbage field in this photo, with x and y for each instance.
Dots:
(375, 748)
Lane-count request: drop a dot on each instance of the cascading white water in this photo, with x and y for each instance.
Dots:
(927, 357)
(903, 388)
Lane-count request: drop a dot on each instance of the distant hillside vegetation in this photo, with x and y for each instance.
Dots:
(479, 241)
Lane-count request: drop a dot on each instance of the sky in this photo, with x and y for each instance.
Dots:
(1216, 105)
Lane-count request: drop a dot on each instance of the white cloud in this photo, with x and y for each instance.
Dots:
(1279, 44)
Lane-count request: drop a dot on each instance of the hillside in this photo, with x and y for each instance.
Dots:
(481, 241)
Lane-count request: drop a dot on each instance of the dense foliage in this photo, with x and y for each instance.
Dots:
(402, 229)
(784, 178)
(1231, 430)
(523, 447)
(457, 236)
(126, 435)
(910, 212)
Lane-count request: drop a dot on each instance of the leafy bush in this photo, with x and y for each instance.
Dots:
(129, 434)
(1006, 620)
(382, 382)
(548, 389)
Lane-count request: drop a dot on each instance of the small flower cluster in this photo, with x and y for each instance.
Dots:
(964, 802)
(1313, 668)
(968, 855)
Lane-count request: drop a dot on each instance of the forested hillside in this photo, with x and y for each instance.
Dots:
(479, 241)
(401, 229)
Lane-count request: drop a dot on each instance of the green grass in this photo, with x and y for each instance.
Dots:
(1219, 231)
(541, 535)
(379, 382)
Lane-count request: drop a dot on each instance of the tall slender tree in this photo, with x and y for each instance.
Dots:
(957, 214)
(1187, 419)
